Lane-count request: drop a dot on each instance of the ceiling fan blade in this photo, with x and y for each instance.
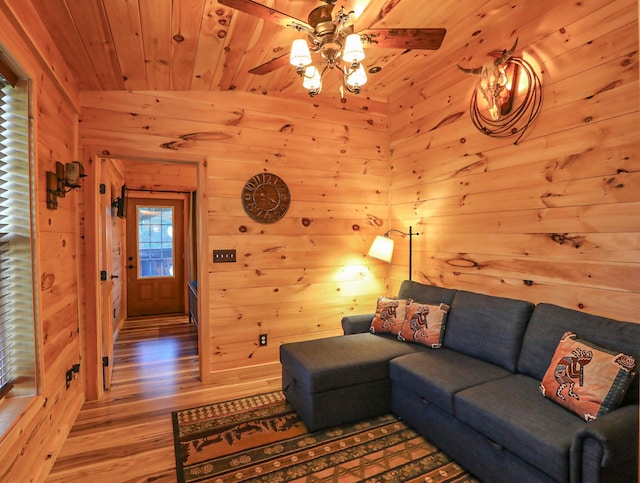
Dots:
(426, 39)
(271, 65)
(267, 13)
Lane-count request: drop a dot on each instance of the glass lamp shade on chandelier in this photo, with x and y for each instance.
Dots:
(342, 54)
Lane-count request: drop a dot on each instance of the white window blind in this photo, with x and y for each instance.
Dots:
(17, 322)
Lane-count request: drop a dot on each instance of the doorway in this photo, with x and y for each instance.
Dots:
(146, 178)
(155, 256)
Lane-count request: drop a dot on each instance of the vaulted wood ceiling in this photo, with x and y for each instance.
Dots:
(202, 45)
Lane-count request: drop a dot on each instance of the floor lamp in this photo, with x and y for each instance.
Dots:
(382, 247)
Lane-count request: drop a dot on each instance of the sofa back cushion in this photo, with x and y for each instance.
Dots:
(425, 294)
(390, 315)
(490, 328)
(549, 322)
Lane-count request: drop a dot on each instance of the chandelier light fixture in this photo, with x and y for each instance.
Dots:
(340, 50)
(338, 46)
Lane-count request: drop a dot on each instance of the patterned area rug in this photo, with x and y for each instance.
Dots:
(261, 439)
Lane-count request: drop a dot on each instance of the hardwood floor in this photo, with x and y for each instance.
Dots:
(127, 437)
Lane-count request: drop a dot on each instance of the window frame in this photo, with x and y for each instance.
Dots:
(24, 397)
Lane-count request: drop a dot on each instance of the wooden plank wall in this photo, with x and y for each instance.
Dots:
(30, 448)
(560, 209)
(156, 175)
(293, 279)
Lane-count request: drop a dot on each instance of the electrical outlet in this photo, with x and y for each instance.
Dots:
(262, 340)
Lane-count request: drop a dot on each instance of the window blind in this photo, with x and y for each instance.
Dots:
(17, 327)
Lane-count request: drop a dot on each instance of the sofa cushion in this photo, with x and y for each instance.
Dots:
(548, 323)
(390, 315)
(586, 378)
(425, 294)
(424, 324)
(511, 413)
(341, 361)
(437, 375)
(487, 327)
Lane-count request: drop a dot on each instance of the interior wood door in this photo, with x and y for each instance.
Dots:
(155, 256)
(106, 280)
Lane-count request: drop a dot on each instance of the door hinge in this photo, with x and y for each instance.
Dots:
(105, 361)
(103, 188)
(103, 275)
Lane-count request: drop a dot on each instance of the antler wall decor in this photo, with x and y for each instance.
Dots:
(512, 94)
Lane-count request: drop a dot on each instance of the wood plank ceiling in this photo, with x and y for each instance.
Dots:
(198, 45)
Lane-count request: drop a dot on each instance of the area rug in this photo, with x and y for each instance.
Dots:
(261, 439)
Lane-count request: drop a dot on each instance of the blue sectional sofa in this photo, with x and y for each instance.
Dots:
(478, 396)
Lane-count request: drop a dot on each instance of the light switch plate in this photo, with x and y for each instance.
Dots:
(224, 256)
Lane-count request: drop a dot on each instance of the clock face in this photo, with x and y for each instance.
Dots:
(266, 198)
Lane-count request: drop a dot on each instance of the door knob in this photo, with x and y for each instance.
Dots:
(130, 266)
(113, 276)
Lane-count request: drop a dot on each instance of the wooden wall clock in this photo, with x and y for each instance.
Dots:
(266, 198)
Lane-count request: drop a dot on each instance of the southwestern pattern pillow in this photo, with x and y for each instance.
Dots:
(425, 324)
(587, 379)
(389, 315)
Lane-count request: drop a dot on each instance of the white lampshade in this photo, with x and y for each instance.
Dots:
(300, 55)
(312, 80)
(357, 78)
(353, 50)
(382, 248)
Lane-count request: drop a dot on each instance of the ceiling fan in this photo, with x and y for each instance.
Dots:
(334, 38)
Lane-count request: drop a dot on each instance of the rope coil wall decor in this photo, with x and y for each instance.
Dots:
(518, 120)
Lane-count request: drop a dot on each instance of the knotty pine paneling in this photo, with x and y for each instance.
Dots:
(150, 175)
(553, 218)
(28, 451)
(308, 269)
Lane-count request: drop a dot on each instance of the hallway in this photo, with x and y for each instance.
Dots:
(127, 437)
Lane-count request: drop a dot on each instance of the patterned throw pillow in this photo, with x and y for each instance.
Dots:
(587, 379)
(425, 324)
(389, 315)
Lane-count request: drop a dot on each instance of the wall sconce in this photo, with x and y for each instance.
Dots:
(504, 81)
(60, 174)
(382, 247)
(52, 190)
(66, 178)
(74, 173)
(120, 203)
(525, 87)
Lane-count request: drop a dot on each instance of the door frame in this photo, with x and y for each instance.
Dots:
(90, 327)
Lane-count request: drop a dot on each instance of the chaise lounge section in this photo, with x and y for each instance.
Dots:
(477, 397)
